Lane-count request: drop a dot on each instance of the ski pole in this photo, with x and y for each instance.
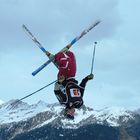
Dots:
(93, 56)
(14, 103)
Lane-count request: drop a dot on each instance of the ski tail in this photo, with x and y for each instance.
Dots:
(28, 32)
(42, 66)
(84, 32)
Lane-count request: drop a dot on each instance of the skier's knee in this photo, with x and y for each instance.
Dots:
(60, 96)
(78, 104)
(57, 86)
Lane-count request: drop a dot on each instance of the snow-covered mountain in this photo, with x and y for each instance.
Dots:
(1, 102)
(11, 113)
(19, 118)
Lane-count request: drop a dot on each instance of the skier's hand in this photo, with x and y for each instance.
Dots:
(51, 55)
(61, 79)
(64, 50)
(90, 77)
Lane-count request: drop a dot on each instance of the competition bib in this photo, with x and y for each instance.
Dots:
(74, 92)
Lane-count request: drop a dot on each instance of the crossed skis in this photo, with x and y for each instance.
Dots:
(66, 48)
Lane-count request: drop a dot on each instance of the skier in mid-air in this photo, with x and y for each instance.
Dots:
(67, 89)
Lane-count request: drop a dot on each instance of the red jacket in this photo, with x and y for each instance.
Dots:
(66, 64)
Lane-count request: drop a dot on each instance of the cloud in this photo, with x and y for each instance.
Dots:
(56, 22)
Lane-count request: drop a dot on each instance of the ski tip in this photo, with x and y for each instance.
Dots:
(97, 22)
(33, 73)
(23, 25)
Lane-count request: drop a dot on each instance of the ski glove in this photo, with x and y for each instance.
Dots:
(66, 48)
(90, 77)
(61, 79)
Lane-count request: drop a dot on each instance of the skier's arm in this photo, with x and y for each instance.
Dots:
(84, 81)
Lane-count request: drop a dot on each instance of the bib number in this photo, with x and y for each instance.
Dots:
(74, 92)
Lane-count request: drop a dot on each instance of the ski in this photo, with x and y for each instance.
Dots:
(42, 66)
(27, 31)
(35, 40)
(67, 47)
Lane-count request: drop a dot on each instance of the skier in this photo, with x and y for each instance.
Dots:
(67, 90)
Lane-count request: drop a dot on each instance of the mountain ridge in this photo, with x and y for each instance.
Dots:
(27, 119)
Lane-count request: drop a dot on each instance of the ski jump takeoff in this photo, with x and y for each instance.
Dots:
(67, 90)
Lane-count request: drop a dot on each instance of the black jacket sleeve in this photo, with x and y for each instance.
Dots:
(83, 85)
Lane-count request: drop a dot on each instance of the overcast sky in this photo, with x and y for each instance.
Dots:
(56, 23)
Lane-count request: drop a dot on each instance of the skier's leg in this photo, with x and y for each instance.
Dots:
(69, 113)
(72, 64)
(58, 90)
(78, 104)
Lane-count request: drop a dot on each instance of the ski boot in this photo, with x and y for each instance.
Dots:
(69, 113)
